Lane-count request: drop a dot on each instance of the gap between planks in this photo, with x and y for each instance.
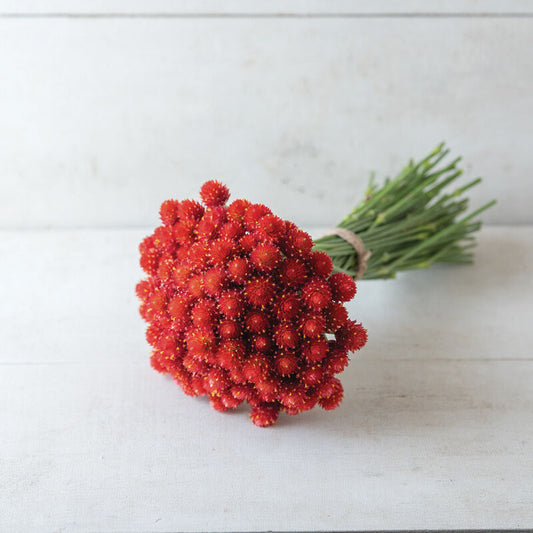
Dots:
(164, 15)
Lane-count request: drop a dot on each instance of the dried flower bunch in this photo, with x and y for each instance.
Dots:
(243, 306)
(240, 308)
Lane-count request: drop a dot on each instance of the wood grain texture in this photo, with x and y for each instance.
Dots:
(102, 119)
(436, 429)
(416, 444)
(259, 7)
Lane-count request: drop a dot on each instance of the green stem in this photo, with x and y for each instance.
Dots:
(409, 223)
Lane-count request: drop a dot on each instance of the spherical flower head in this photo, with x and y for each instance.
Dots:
(315, 350)
(179, 306)
(260, 292)
(195, 285)
(206, 229)
(165, 270)
(352, 336)
(313, 326)
(204, 313)
(214, 193)
(144, 289)
(248, 242)
(312, 374)
(240, 308)
(221, 251)
(183, 231)
(321, 264)
(149, 260)
(231, 303)
(237, 210)
(337, 360)
(190, 210)
(262, 343)
(164, 239)
(257, 322)
(200, 343)
(266, 257)
(331, 394)
(232, 230)
(342, 286)
(287, 306)
(253, 214)
(264, 416)
(270, 228)
(217, 381)
(214, 281)
(182, 272)
(316, 294)
(198, 258)
(293, 273)
(238, 270)
(229, 329)
(169, 212)
(286, 336)
(336, 316)
(298, 243)
(286, 363)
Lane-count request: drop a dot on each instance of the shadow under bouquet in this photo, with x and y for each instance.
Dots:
(243, 306)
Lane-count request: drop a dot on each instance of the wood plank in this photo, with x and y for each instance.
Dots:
(274, 7)
(102, 119)
(415, 445)
(75, 301)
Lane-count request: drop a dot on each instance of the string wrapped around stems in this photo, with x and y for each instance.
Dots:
(408, 223)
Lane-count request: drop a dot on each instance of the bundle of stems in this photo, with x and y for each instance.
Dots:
(409, 222)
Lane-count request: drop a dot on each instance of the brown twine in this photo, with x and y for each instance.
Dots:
(363, 255)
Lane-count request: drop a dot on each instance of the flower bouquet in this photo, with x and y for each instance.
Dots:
(243, 306)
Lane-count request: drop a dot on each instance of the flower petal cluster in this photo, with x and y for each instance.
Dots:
(241, 309)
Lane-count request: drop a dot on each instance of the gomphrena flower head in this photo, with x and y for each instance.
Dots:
(240, 308)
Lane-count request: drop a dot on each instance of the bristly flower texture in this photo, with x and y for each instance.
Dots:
(241, 309)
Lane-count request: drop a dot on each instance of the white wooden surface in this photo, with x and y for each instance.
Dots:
(105, 113)
(436, 430)
(270, 7)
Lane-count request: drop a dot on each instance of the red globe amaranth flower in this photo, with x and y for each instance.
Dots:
(214, 194)
(242, 310)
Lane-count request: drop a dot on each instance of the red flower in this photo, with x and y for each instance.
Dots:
(342, 286)
(322, 264)
(287, 306)
(169, 212)
(331, 394)
(254, 213)
(293, 273)
(265, 257)
(237, 210)
(317, 294)
(221, 250)
(260, 292)
(231, 304)
(238, 269)
(213, 193)
(264, 415)
(270, 228)
(214, 281)
(257, 322)
(229, 329)
(239, 307)
(190, 210)
(286, 336)
(286, 363)
(204, 314)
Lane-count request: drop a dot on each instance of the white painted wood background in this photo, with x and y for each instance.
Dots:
(109, 107)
